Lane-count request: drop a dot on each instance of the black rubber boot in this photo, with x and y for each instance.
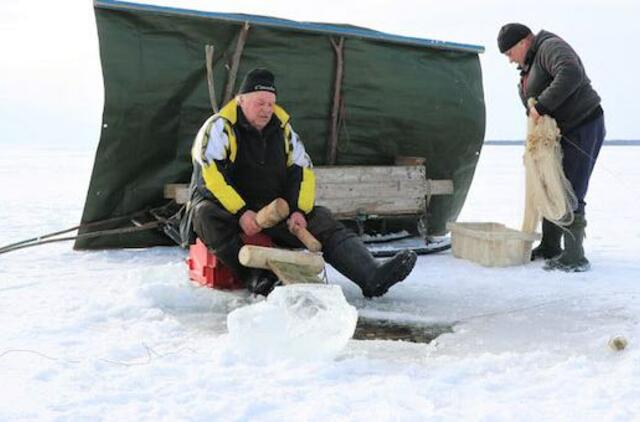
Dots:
(572, 259)
(256, 281)
(353, 260)
(549, 246)
(260, 282)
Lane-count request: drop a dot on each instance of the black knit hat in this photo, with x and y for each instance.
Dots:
(511, 34)
(258, 80)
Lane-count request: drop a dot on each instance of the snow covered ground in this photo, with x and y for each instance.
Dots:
(123, 335)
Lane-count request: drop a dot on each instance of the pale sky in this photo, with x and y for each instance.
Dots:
(51, 84)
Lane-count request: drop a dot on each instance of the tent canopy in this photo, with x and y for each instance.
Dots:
(399, 96)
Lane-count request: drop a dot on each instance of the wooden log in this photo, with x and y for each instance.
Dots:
(273, 213)
(259, 257)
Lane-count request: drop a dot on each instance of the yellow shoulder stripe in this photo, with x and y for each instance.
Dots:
(307, 194)
(215, 183)
(282, 115)
(230, 111)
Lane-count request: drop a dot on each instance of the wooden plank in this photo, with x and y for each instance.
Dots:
(355, 174)
(439, 186)
(178, 191)
(371, 190)
(345, 208)
(410, 161)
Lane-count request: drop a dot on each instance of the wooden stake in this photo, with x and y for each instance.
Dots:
(335, 109)
(208, 53)
(235, 63)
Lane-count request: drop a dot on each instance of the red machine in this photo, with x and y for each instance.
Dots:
(206, 269)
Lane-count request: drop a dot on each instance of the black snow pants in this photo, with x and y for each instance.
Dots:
(219, 229)
(580, 148)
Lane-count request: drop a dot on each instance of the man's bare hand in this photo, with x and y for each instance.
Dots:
(248, 223)
(533, 113)
(296, 219)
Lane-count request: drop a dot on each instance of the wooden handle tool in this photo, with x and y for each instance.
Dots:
(272, 214)
(278, 210)
(307, 239)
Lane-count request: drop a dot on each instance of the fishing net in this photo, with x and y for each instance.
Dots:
(548, 193)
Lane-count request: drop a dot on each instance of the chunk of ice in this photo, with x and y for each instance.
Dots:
(297, 322)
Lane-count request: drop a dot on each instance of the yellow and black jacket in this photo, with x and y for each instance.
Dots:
(241, 168)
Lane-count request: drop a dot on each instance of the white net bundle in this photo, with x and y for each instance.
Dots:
(548, 193)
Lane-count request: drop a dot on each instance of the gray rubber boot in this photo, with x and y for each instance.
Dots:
(353, 260)
(549, 246)
(572, 258)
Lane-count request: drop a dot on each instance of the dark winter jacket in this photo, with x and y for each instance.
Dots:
(555, 76)
(242, 168)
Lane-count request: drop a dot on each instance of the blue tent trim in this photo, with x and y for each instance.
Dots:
(289, 24)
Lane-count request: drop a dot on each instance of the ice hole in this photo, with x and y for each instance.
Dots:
(379, 329)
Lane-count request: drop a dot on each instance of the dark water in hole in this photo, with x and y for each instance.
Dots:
(379, 329)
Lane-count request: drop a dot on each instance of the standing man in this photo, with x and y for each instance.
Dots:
(552, 73)
(246, 156)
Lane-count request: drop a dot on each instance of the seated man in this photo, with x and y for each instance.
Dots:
(246, 156)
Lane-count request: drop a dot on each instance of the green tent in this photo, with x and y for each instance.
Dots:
(399, 96)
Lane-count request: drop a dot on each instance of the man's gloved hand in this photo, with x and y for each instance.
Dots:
(296, 219)
(248, 223)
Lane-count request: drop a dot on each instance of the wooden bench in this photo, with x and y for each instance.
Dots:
(351, 191)
(364, 191)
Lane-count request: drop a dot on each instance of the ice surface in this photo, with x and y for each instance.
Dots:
(297, 322)
(124, 335)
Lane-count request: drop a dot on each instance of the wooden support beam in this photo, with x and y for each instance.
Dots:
(439, 187)
(208, 53)
(235, 62)
(332, 144)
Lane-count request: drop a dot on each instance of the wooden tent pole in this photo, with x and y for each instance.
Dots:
(235, 63)
(208, 52)
(332, 146)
